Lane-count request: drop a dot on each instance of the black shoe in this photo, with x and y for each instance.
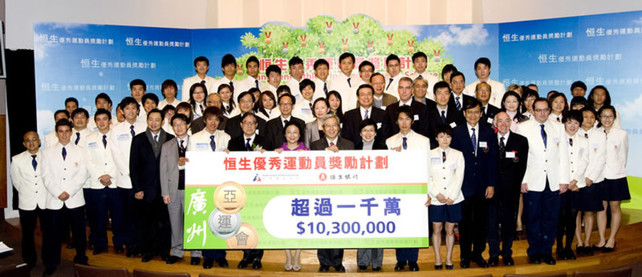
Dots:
(493, 261)
(598, 248)
(534, 260)
(508, 261)
(568, 252)
(99, 250)
(588, 251)
(439, 266)
(399, 266)
(413, 266)
(222, 262)
(132, 253)
(481, 262)
(242, 264)
(90, 246)
(340, 268)
(119, 250)
(172, 260)
(608, 249)
(324, 268)
(450, 266)
(147, 258)
(465, 263)
(164, 257)
(580, 250)
(376, 269)
(561, 255)
(195, 261)
(549, 260)
(363, 267)
(257, 264)
(208, 263)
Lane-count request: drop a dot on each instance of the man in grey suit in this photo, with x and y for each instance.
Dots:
(331, 141)
(172, 180)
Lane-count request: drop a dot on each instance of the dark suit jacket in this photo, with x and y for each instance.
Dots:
(434, 120)
(451, 101)
(378, 145)
(233, 126)
(491, 111)
(322, 144)
(144, 165)
(352, 120)
(199, 124)
(511, 170)
(481, 169)
(274, 131)
(430, 104)
(238, 143)
(420, 125)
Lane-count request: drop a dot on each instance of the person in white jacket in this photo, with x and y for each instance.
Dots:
(444, 190)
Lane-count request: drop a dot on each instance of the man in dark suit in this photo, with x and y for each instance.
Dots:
(245, 102)
(443, 114)
(274, 127)
(144, 168)
(331, 141)
(420, 112)
(212, 100)
(458, 83)
(419, 92)
(513, 154)
(482, 91)
(352, 119)
(478, 143)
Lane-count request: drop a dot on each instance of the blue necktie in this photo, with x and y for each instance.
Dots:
(64, 153)
(457, 103)
(404, 143)
(34, 163)
(212, 143)
(202, 82)
(443, 117)
(247, 144)
(105, 141)
(131, 130)
(349, 83)
(232, 85)
(77, 138)
(256, 83)
(473, 139)
(543, 134)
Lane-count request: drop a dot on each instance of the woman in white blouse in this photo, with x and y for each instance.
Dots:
(444, 189)
(615, 187)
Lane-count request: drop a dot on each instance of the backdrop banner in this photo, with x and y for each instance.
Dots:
(311, 199)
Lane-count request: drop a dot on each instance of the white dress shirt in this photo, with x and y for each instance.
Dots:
(446, 177)
(201, 141)
(318, 88)
(246, 84)
(347, 91)
(121, 139)
(302, 110)
(392, 87)
(224, 80)
(100, 160)
(189, 81)
(64, 175)
(28, 181)
(617, 148)
(164, 103)
(497, 91)
(293, 84)
(50, 139)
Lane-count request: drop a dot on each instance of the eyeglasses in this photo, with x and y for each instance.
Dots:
(541, 110)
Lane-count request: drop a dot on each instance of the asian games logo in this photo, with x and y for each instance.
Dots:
(257, 178)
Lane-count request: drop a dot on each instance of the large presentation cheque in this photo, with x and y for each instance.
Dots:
(308, 199)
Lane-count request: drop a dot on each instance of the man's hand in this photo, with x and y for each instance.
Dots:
(588, 181)
(524, 188)
(333, 148)
(105, 180)
(490, 192)
(182, 161)
(166, 199)
(427, 201)
(139, 195)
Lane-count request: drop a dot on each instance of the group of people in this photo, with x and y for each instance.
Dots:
(491, 153)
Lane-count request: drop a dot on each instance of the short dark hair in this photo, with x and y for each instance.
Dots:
(367, 122)
(272, 68)
(169, 83)
(201, 59)
(345, 56)
(294, 61)
(60, 123)
(71, 99)
(392, 57)
(155, 111)
(541, 99)
(213, 111)
(364, 64)
(283, 88)
(289, 96)
(448, 68)
(293, 123)
(471, 103)
(440, 84)
(306, 82)
(578, 84)
(137, 82)
(443, 129)
(320, 62)
(419, 55)
(609, 107)
(227, 60)
(574, 115)
(377, 74)
(406, 110)
(244, 115)
(367, 86)
(243, 94)
(128, 101)
(102, 111)
(483, 60)
(250, 60)
(589, 109)
(103, 95)
(179, 116)
(320, 99)
(80, 111)
(457, 73)
(579, 100)
(150, 96)
(185, 106)
(61, 111)
(168, 108)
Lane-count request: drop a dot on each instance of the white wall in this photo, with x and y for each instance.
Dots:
(497, 11)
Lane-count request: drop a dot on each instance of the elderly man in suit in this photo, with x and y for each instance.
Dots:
(478, 143)
(245, 101)
(144, 168)
(274, 127)
(513, 154)
(420, 111)
(381, 99)
(331, 141)
(352, 119)
(172, 181)
(546, 177)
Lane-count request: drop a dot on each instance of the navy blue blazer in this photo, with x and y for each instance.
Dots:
(481, 169)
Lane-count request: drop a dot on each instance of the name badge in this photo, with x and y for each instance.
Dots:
(510, 155)
(123, 137)
(416, 117)
(490, 120)
(306, 110)
(581, 151)
(378, 125)
(453, 166)
(435, 161)
(202, 146)
(453, 125)
(483, 144)
(92, 145)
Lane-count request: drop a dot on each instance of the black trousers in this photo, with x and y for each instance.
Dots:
(28, 220)
(330, 257)
(153, 226)
(473, 227)
(100, 204)
(129, 225)
(502, 210)
(542, 213)
(566, 224)
(51, 237)
(252, 255)
(214, 255)
(406, 255)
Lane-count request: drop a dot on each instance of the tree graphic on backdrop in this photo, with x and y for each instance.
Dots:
(325, 37)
